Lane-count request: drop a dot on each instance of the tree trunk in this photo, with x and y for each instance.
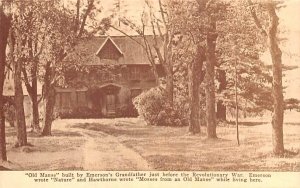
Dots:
(34, 96)
(221, 108)
(169, 85)
(5, 23)
(35, 112)
(49, 100)
(49, 103)
(19, 104)
(210, 77)
(236, 104)
(168, 69)
(278, 111)
(196, 76)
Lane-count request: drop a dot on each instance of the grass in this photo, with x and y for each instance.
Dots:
(167, 148)
(56, 152)
(164, 148)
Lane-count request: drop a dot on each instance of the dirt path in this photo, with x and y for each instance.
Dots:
(104, 152)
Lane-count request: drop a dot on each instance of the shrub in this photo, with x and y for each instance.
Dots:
(152, 107)
(126, 110)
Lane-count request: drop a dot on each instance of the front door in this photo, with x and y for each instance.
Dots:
(110, 104)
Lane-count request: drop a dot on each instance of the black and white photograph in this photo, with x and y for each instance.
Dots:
(150, 85)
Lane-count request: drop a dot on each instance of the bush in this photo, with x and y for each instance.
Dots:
(152, 107)
(126, 110)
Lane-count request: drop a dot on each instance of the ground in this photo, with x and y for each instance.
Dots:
(129, 144)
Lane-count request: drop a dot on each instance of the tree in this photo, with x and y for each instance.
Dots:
(221, 107)
(213, 12)
(62, 38)
(60, 31)
(5, 24)
(18, 46)
(188, 59)
(269, 7)
(23, 47)
(210, 77)
(277, 91)
(239, 41)
(292, 103)
(19, 96)
(196, 76)
(35, 34)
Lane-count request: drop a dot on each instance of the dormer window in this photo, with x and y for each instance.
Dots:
(109, 50)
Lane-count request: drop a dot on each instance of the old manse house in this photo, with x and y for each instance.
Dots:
(116, 70)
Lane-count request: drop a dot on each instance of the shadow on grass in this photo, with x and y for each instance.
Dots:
(247, 123)
(215, 140)
(2, 168)
(290, 154)
(292, 123)
(10, 132)
(169, 162)
(112, 130)
(59, 133)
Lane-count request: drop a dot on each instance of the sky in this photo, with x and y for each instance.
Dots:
(290, 21)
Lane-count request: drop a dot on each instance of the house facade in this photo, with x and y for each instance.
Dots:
(116, 69)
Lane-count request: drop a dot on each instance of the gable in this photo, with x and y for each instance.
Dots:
(109, 50)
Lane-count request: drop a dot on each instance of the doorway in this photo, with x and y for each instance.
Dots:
(110, 104)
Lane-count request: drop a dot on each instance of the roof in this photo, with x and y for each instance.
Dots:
(105, 42)
(132, 52)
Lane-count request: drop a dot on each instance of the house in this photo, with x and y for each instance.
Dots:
(8, 91)
(118, 70)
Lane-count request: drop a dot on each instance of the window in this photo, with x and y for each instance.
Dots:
(109, 50)
(81, 98)
(65, 100)
(135, 73)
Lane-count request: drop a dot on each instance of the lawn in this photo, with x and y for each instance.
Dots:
(167, 148)
(162, 148)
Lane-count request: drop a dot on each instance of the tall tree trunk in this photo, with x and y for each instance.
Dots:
(196, 76)
(33, 88)
(169, 85)
(221, 108)
(210, 78)
(49, 103)
(278, 111)
(35, 108)
(19, 104)
(49, 99)
(5, 23)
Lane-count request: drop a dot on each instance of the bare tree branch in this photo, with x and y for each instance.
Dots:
(162, 13)
(124, 33)
(85, 15)
(255, 18)
(26, 81)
